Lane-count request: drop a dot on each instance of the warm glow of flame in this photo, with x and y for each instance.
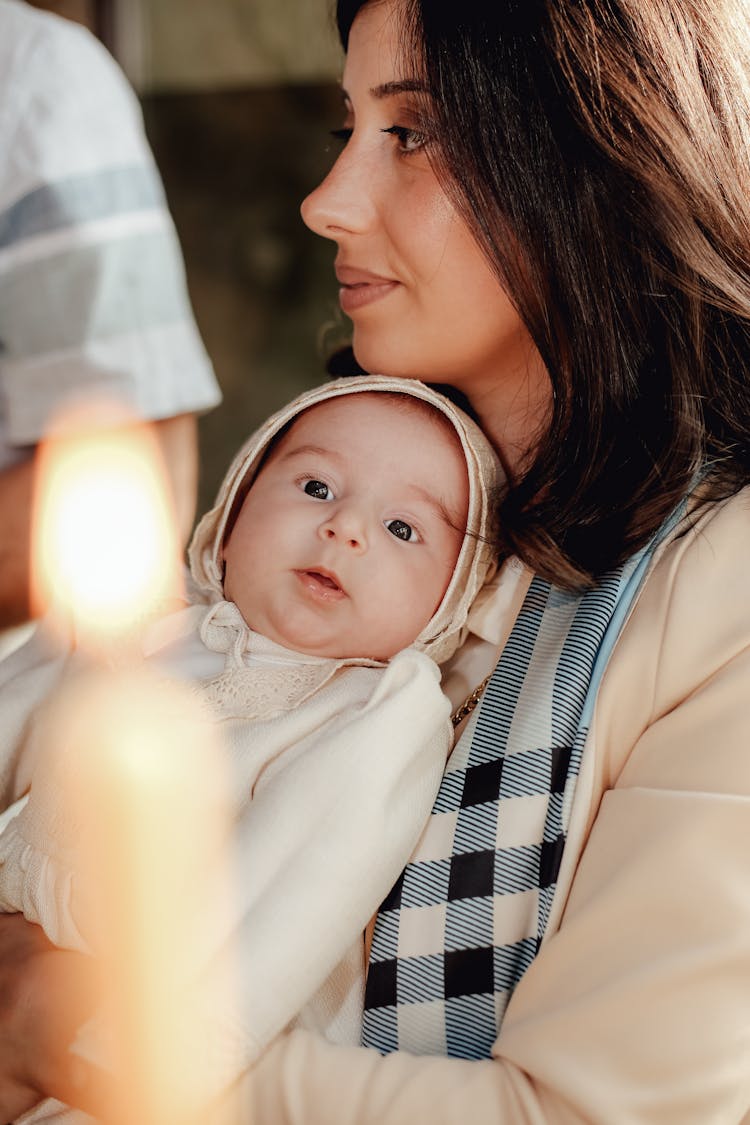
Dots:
(135, 762)
(140, 767)
(104, 544)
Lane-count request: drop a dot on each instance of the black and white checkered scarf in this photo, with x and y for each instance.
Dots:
(469, 912)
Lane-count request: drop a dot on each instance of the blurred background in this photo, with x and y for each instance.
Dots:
(238, 99)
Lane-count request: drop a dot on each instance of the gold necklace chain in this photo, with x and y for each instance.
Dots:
(469, 703)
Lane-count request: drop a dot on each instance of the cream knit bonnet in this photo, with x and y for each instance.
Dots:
(477, 558)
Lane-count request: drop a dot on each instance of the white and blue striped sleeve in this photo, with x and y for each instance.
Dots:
(92, 285)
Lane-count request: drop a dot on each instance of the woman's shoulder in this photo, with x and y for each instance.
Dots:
(697, 585)
(682, 662)
(715, 517)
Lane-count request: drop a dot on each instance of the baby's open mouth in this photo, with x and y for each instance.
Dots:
(324, 579)
(321, 585)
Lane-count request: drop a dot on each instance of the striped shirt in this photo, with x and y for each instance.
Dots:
(92, 284)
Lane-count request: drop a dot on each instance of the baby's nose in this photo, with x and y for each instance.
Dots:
(347, 527)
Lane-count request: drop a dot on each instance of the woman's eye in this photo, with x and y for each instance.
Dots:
(342, 135)
(410, 140)
(318, 489)
(402, 530)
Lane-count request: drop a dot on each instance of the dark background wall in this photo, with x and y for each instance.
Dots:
(236, 165)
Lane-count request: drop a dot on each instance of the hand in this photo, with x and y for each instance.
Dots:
(45, 996)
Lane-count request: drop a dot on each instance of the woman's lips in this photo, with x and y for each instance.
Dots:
(321, 585)
(359, 288)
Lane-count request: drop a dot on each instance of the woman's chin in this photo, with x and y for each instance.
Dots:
(379, 357)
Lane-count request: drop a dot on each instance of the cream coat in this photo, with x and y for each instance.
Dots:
(637, 1009)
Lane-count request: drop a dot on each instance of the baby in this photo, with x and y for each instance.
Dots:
(335, 572)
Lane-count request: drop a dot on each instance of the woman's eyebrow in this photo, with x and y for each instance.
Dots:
(393, 89)
(402, 86)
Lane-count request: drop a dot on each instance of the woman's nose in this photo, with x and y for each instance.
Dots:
(343, 202)
(347, 527)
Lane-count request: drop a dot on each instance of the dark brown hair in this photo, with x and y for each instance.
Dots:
(610, 141)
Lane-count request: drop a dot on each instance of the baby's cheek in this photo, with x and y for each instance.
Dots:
(435, 579)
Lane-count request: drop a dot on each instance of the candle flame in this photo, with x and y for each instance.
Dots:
(105, 546)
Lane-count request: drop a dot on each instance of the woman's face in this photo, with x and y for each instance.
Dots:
(422, 297)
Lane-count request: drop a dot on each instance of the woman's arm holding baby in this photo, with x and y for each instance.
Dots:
(45, 996)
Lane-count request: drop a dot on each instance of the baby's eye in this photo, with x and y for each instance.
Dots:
(318, 489)
(402, 530)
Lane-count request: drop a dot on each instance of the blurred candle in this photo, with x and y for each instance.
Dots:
(139, 765)
(144, 787)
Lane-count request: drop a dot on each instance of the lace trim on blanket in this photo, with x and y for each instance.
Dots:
(260, 679)
(263, 691)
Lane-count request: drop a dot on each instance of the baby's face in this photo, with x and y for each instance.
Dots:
(349, 535)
